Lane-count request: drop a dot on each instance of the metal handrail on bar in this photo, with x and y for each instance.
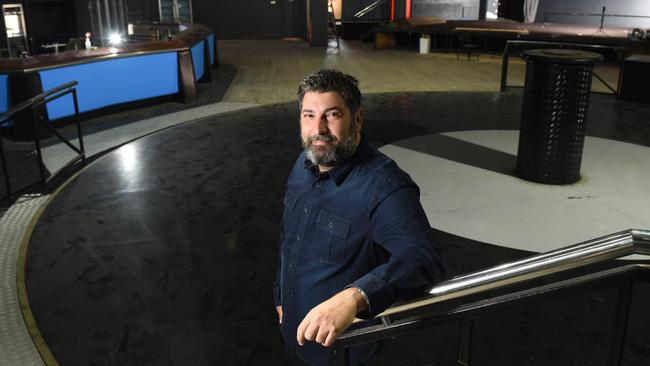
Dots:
(500, 277)
(369, 8)
(4, 116)
(515, 43)
(608, 247)
(32, 103)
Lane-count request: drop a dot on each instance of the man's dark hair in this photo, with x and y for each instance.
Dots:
(331, 80)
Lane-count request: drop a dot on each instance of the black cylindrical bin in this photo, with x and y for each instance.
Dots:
(556, 100)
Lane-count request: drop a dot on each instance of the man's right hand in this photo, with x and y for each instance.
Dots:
(279, 310)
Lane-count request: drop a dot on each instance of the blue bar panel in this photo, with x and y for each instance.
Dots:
(4, 92)
(211, 45)
(111, 82)
(197, 60)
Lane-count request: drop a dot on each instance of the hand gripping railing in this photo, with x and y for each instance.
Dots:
(605, 248)
(37, 117)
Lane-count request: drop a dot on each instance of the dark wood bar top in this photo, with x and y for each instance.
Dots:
(181, 41)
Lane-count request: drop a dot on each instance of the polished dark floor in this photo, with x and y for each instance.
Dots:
(22, 163)
(163, 252)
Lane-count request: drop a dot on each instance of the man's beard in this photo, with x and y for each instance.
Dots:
(331, 154)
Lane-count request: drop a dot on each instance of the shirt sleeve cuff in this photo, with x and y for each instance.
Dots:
(376, 293)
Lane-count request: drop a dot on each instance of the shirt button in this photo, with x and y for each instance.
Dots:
(299, 237)
(291, 265)
(306, 210)
(330, 225)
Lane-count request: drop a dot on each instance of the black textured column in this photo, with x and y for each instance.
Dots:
(554, 113)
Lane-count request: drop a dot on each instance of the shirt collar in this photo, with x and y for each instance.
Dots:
(342, 170)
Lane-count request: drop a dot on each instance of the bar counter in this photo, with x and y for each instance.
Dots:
(110, 76)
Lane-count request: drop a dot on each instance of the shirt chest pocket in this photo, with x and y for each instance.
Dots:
(330, 238)
(289, 216)
(290, 199)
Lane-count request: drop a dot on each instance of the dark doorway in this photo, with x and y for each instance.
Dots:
(295, 18)
(511, 9)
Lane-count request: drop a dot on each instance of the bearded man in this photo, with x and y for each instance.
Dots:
(354, 236)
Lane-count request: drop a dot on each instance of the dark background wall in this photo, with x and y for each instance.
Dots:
(49, 21)
(142, 10)
(620, 7)
(318, 22)
(58, 20)
(252, 19)
(447, 9)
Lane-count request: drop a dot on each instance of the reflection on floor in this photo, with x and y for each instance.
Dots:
(104, 132)
(163, 251)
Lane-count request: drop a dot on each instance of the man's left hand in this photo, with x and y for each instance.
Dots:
(329, 319)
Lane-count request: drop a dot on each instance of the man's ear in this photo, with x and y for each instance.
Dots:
(358, 119)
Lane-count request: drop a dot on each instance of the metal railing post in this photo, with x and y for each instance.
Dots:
(32, 104)
(342, 355)
(504, 67)
(78, 123)
(37, 144)
(465, 334)
(619, 59)
(620, 321)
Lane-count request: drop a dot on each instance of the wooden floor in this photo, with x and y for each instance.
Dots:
(269, 70)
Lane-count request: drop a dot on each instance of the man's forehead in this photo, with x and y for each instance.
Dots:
(325, 100)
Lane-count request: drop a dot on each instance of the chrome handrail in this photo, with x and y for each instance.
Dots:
(369, 8)
(41, 100)
(608, 247)
(4, 116)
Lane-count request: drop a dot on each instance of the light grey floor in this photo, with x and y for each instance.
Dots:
(494, 207)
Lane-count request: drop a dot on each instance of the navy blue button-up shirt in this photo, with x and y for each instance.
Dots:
(360, 224)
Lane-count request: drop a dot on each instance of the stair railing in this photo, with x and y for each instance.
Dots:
(39, 119)
(373, 6)
(426, 312)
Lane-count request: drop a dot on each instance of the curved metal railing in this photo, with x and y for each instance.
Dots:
(608, 247)
(375, 5)
(424, 313)
(38, 118)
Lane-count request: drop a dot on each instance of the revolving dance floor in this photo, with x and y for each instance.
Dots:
(163, 251)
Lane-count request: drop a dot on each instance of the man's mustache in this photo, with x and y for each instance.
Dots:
(324, 138)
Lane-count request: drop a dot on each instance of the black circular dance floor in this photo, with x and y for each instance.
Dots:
(163, 251)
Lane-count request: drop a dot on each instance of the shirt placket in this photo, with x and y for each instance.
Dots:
(311, 201)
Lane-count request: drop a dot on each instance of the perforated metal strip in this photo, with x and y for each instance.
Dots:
(16, 345)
